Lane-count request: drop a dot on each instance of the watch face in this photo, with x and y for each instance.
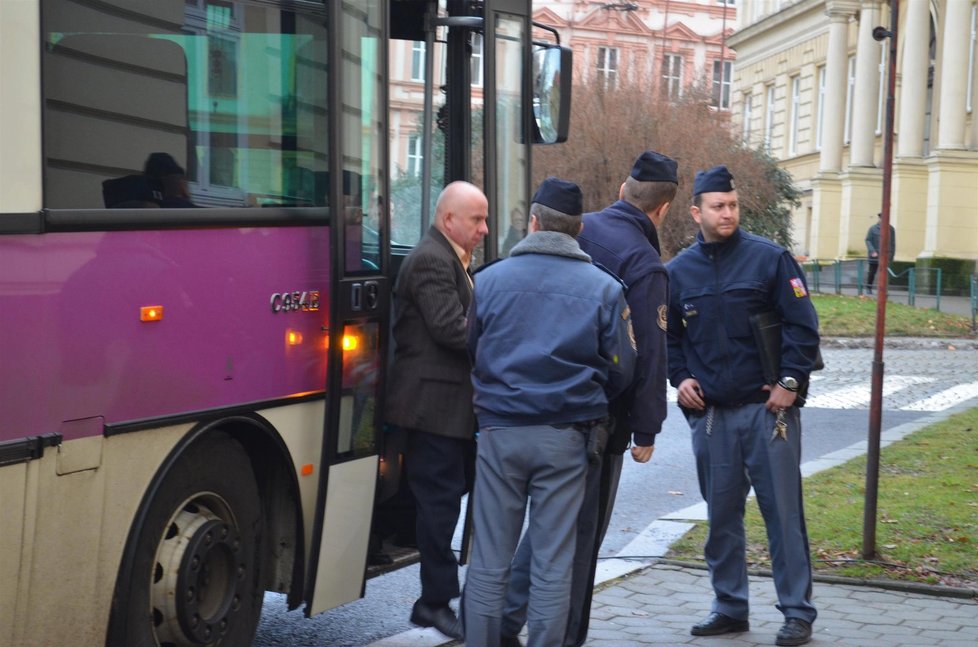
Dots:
(790, 382)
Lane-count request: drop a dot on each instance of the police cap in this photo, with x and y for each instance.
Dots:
(655, 167)
(560, 195)
(715, 180)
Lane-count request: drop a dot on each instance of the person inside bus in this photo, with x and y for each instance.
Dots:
(551, 340)
(515, 233)
(163, 171)
(430, 393)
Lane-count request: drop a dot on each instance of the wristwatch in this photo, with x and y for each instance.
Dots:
(788, 383)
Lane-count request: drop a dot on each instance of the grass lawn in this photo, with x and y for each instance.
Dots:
(842, 316)
(927, 511)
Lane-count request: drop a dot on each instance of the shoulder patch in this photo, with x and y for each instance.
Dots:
(626, 316)
(663, 319)
(798, 286)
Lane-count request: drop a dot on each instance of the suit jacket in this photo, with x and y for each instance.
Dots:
(429, 386)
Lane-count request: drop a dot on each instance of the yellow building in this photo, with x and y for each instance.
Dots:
(810, 86)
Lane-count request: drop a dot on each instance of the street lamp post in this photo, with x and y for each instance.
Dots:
(876, 393)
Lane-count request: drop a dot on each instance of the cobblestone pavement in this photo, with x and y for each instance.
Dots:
(658, 605)
(924, 375)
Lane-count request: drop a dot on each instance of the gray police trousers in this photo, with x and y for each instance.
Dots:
(547, 466)
(735, 450)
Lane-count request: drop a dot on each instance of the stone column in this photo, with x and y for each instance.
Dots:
(826, 186)
(954, 75)
(913, 75)
(952, 189)
(839, 12)
(866, 100)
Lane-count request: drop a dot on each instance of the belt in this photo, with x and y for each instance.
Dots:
(759, 398)
(582, 425)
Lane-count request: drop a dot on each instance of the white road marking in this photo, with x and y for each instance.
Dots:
(858, 395)
(945, 399)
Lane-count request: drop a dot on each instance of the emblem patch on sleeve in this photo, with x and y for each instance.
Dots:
(662, 319)
(799, 287)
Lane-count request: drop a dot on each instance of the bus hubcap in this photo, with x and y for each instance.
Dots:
(198, 578)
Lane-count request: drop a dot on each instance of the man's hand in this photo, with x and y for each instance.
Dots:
(690, 394)
(642, 454)
(779, 398)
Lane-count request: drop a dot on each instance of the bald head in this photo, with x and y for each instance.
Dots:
(461, 214)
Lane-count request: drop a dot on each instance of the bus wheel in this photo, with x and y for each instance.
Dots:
(194, 576)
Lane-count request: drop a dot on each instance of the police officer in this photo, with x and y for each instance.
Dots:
(550, 338)
(623, 239)
(745, 431)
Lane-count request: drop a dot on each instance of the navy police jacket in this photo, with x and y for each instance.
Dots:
(715, 288)
(622, 239)
(549, 335)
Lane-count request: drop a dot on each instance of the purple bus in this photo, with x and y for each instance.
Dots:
(197, 206)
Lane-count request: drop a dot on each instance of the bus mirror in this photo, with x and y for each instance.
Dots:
(552, 71)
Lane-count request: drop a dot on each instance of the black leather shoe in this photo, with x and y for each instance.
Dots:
(441, 618)
(794, 631)
(717, 623)
(509, 641)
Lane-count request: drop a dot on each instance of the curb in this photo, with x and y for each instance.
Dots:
(902, 343)
(889, 585)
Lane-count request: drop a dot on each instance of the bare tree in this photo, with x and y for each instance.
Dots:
(609, 128)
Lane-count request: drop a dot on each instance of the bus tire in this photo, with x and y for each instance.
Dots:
(193, 576)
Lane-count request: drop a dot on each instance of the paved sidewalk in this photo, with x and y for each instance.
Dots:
(659, 604)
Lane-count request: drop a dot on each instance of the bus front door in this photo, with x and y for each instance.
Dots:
(359, 306)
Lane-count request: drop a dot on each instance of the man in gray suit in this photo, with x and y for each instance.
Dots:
(430, 391)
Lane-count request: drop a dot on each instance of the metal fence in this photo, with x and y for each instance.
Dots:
(913, 284)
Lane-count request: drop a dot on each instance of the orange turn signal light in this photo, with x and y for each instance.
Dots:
(151, 313)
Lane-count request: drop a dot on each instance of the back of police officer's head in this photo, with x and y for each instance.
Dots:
(557, 206)
(652, 182)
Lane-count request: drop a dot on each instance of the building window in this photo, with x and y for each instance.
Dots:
(672, 76)
(417, 61)
(222, 76)
(607, 67)
(850, 90)
(795, 105)
(971, 57)
(748, 109)
(769, 119)
(820, 107)
(477, 45)
(722, 71)
(415, 156)
(881, 103)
